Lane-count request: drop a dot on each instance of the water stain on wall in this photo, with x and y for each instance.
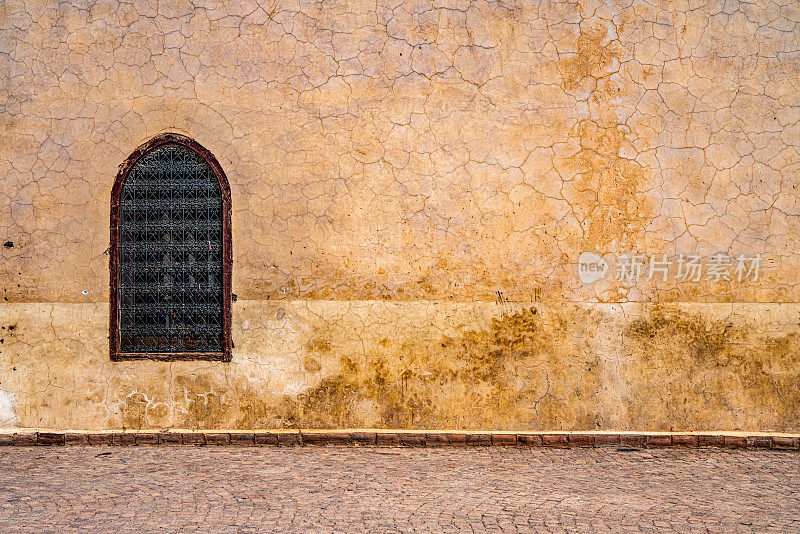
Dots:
(256, 410)
(690, 371)
(609, 190)
(595, 54)
(134, 411)
(608, 194)
(525, 370)
(205, 400)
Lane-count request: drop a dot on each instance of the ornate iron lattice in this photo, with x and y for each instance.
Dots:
(170, 255)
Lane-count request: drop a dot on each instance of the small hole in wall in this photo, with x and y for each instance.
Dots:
(233, 297)
(8, 244)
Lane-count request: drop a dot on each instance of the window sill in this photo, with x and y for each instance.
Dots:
(171, 356)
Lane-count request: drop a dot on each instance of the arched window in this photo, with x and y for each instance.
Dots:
(170, 254)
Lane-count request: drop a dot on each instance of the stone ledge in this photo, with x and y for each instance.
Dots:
(402, 438)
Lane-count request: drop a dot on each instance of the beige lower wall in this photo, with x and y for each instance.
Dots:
(514, 366)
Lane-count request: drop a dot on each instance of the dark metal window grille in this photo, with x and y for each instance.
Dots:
(170, 255)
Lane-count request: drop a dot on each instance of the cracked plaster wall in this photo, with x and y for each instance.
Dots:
(394, 166)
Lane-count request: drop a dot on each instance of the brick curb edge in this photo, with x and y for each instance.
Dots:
(566, 440)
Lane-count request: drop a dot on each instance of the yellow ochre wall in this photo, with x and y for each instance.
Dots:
(413, 184)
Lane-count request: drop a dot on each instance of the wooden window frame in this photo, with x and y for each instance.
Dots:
(227, 253)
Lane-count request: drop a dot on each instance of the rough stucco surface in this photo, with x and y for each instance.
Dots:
(393, 167)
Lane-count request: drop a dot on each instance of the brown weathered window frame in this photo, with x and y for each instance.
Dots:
(227, 253)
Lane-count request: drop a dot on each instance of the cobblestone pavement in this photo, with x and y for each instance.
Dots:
(149, 489)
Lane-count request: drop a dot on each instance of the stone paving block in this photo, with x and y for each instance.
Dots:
(24, 438)
(123, 438)
(711, 440)
(146, 438)
(659, 440)
(99, 439)
(326, 438)
(364, 438)
(217, 438)
(411, 439)
(314, 438)
(458, 439)
(581, 440)
(560, 441)
(437, 439)
(76, 438)
(504, 440)
(632, 440)
(193, 438)
(387, 438)
(529, 440)
(759, 442)
(49, 438)
(479, 439)
(685, 440)
(265, 438)
(289, 438)
(170, 438)
(785, 443)
(242, 439)
(341, 439)
(735, 442)
(606, 440)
